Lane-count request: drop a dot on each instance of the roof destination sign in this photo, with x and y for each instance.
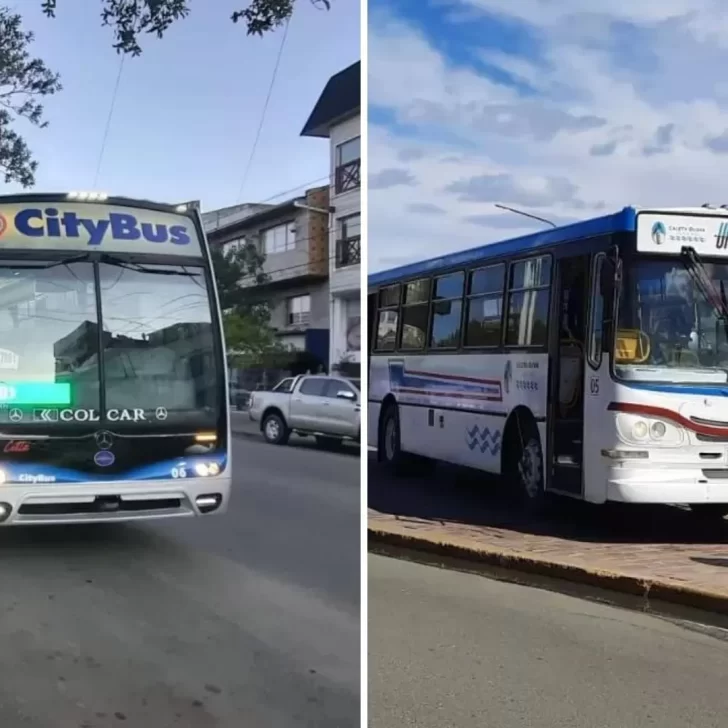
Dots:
(79, 226)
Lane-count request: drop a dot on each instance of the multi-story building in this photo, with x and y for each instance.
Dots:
(293, 236)
(336, 116)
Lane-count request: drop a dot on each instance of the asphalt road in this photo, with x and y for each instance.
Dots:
(458, 650)
(249, 619)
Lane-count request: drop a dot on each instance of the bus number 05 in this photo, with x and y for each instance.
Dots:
(179, 472)
(594, 386)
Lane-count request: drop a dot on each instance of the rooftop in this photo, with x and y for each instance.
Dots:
(340, 99)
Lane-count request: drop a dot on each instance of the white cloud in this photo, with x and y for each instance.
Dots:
(599, 130)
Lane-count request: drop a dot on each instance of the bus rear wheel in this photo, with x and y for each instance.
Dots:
(525, 466)
(388, 447)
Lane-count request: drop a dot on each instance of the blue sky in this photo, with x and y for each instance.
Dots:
(188, 108)
(539, 105)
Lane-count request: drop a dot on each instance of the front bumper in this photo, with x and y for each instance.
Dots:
(662, 484)
(113, 501)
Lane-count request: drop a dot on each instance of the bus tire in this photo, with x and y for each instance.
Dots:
(275, 430)
(525, 469)
(388, 446)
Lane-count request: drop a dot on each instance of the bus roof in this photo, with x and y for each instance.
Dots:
(622, 221)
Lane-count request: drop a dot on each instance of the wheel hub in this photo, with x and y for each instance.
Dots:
(272, 429)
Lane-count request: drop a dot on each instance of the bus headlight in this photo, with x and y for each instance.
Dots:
(640, 430)
(636, 430)
(205, 469)
(658, 430)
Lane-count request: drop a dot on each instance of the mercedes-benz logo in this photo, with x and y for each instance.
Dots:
(104, 440)
(16, 415)
(161, 413)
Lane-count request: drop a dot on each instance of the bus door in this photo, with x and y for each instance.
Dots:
(567, 371)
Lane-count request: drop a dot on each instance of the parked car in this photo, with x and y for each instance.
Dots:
(239, 398)
(326, 407)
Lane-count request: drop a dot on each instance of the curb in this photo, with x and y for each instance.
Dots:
(400, 545)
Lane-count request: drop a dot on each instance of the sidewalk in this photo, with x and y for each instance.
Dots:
(660, 554)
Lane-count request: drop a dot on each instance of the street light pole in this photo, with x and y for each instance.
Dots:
(525, 214)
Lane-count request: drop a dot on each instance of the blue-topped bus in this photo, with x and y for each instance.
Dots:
(113, 389)
(589, 360)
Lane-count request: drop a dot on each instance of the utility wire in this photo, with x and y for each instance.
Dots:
(297, 187)
(263, 113)
(108, 122)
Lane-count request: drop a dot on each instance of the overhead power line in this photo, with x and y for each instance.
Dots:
(253, 149)
(108, 122)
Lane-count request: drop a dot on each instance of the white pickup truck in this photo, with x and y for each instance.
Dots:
(327, 407)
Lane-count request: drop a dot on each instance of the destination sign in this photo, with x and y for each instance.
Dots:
(96, 226)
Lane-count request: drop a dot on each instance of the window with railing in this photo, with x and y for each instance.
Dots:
(347, 172)
(299, 310)
(348, 245)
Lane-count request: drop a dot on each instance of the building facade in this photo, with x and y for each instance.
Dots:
(336, 117)
(293, 236)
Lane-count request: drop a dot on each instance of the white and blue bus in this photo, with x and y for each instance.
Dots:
(589, 360)
(113, 386)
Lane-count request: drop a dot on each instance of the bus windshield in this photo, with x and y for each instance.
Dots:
(682, 333)
(156, 336)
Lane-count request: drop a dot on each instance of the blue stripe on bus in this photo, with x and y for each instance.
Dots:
(156, 471)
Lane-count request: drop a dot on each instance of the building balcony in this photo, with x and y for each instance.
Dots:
(348, 177)
(348, 252)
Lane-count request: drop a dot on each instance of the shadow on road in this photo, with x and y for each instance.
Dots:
(463, 496)
(302, 443)
(82, 538)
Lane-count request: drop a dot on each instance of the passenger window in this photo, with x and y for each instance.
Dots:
(528, 302)
(447, 308)
(415, 314)
(386, 330)
(389, 297)
(485, 306)
(385, 338)
(314, 386)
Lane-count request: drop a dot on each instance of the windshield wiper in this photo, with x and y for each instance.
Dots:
(121, 263)
(102, 258)
(700, 277)
(702, 280)
(48, 264)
